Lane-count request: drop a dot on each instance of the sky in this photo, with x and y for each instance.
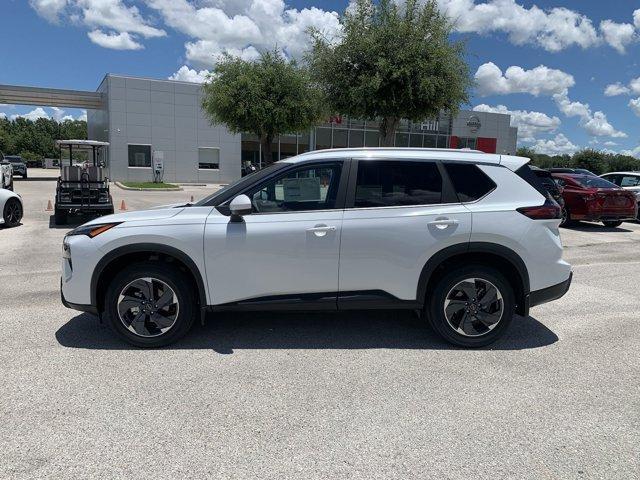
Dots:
(567, 71)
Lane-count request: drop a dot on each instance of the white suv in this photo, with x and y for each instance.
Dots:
(464, 237)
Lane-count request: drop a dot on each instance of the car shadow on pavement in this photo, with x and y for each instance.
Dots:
(72, 222)
(597, 227)
(226, 332)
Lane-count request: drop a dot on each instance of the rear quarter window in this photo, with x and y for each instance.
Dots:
(469, 182)
(525, 173)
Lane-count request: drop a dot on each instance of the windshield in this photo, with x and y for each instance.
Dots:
(593, 182)
(14, 159)
(215, 198)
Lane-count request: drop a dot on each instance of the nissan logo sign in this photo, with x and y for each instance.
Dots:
(474, 123)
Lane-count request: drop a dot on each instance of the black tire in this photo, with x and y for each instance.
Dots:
(165, 273)
(25, 175)
(12, 213)
(566, 218)
(435, 306)
(60, 216)
(612, 223)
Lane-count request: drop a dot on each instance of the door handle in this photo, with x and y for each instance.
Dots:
(321, 230)
(443, 223)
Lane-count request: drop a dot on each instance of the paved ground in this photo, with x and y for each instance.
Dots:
(359, 395)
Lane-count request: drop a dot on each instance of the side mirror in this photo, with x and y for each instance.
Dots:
(239, 206)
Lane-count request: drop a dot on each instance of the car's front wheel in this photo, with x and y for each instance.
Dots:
(471, 306)
(12, 213)
(150, 304)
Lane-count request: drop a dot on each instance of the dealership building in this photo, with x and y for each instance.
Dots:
(146, 120)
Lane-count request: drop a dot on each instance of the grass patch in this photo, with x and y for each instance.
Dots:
(149, 185)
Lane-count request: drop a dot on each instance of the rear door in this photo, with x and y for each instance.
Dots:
(398, 214)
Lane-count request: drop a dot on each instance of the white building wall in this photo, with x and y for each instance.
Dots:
(167, 116)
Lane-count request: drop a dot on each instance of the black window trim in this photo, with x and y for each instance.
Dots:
(140, 145)
(449, 196)
(477, 165)
(223, 207)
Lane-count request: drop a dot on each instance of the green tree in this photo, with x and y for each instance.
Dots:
(590, 159)
(391, 62)
(267, 97)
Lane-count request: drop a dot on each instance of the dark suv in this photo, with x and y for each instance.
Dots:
(19, 167)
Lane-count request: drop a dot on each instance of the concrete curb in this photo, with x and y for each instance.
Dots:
(123, 187)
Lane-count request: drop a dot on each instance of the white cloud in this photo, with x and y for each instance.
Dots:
(610, 143)
(114, 41)
(635, 106)
(529, 123)
(619, 89)
(32, 115)
(115, 15)
(113, 24)
(540, 80)
(49, 9)
(596, 124)
(186, 74)
(243, 27)
(636, 18)
(554, 29)
(635, 152)
(558, 145)
(618, 35)
(614, 89)
(3, 115)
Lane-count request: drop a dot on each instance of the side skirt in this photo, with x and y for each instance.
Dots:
(329, 301)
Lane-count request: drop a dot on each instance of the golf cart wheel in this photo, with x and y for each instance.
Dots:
(566, 218)
(612, 223)
(60, 216)
(12, 213)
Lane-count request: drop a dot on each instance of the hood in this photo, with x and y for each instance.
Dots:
(137, 216)
(170, 205)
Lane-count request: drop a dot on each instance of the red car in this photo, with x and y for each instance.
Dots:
(595, 199)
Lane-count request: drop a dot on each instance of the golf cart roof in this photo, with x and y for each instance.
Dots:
(82, 143)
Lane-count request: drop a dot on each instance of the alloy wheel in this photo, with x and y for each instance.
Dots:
(148, 307)
(474, 307)
(13, 213)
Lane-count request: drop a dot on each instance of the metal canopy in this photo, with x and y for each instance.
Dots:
(82, 143)
(51, 97)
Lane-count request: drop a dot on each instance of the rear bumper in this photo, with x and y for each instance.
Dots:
(538, 297)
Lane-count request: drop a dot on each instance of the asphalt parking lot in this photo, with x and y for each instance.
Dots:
(317, 396)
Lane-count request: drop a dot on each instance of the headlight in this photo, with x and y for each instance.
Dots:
(66, 249)
(92, 230)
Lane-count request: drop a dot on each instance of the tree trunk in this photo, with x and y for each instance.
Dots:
(267, 155)
(388, 128)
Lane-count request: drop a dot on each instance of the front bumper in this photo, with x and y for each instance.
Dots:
(554, 292)
(76, 306)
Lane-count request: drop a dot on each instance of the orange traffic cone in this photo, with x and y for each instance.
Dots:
(123, 206)
(49, 206)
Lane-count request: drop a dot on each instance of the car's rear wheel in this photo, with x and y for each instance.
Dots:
(471, 306)
(566, 218)
(150, 304)
(612, 223)
(12, 213)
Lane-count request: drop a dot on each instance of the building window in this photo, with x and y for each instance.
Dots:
(140, 155)
(208, 158)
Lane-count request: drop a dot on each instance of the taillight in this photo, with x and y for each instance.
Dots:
(549, 210)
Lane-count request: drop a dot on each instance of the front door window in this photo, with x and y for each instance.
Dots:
(303, 189)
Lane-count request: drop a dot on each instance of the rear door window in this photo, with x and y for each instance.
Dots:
(469, 181)
(629, 181)
(389, 183)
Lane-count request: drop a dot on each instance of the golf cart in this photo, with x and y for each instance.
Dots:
(82, 186)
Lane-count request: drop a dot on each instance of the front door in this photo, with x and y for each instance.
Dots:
(287, 249)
